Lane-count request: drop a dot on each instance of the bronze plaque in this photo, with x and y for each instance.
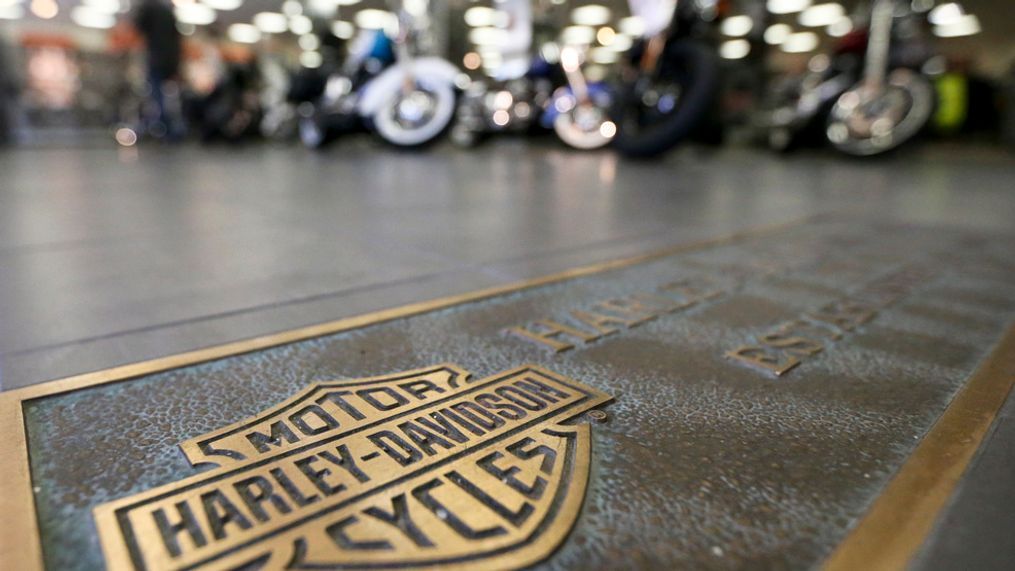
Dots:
(792, 397)
(419, 469)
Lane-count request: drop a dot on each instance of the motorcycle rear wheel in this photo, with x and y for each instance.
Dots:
(692, 68)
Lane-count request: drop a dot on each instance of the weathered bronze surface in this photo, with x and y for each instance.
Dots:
(766, 390)
(423, 468)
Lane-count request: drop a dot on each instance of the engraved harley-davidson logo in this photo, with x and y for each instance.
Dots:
(426, 468)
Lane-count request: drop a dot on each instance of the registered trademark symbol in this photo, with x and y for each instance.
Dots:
(598, 416)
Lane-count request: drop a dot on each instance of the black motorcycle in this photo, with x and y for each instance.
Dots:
(668, 89)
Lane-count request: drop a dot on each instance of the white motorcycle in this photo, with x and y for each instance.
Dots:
(408, 101)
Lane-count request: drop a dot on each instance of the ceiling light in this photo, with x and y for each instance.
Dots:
(967, 25)
(946, 14)
(786, 6)
(632, 26)
(44, 9)
(486, 36)
(292, 8)
(323, 8)
(11, 12)
(196, 14)
(591, 15)
(606, 35)
(472, 61)
(342, 29)
(822, 15)
(777, 34)
(735, 49)
(300, 25)
(311, 59)
(244, 33)
(621, 43)
(736, 26)
(603, 55)
(90, 17)
(800, 42)
(841, 27)
(107, 6)
(480, 16)
(578, 35)
(224, 5)
(372, 19)
(309, 42)
(271, 22)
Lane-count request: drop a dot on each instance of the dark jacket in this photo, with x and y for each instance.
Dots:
(155, 21)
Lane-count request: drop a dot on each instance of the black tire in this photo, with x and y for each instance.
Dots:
(695, 67)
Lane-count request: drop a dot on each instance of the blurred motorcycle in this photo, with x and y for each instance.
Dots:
(886, 108)
(670, 80)
(576, 111)
(828, 103)
(408, 101)
(534, 92)
(799, 108)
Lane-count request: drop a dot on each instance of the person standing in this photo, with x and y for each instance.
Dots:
(156, 23)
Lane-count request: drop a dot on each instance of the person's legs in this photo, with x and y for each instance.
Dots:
(157, 124)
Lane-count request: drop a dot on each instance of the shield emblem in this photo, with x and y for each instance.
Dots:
(425, 468)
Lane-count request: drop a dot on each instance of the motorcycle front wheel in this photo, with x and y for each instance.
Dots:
(655, 114)
(864, 122)
(416, 117)
(585, 127)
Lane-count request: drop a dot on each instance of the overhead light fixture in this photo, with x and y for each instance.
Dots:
(300, 25)
(196, 14)
(292, 8)
(89, 17)
(591, 15)
(822, 15)
(632, 26)
(45, 9)
(472, 61)
(244, 33)
(840, 28)
(322, 8)
(621, 43)
(106, 6)
(786, 6)
(347, 2)
(311, 59)
(11, 12)
(577, 35)
(342, 29)
(606, 35)
(800, 42)
(603, 56)
(271, 22)
(486, 36)
(480, 16)
(373, 19)
(736, 26)
(777, 34)
(735, 49)
(309, 42)
(967, 25)
(223, 5)
(945, 14)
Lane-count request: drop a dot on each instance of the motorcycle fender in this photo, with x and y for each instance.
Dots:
(380, 90)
